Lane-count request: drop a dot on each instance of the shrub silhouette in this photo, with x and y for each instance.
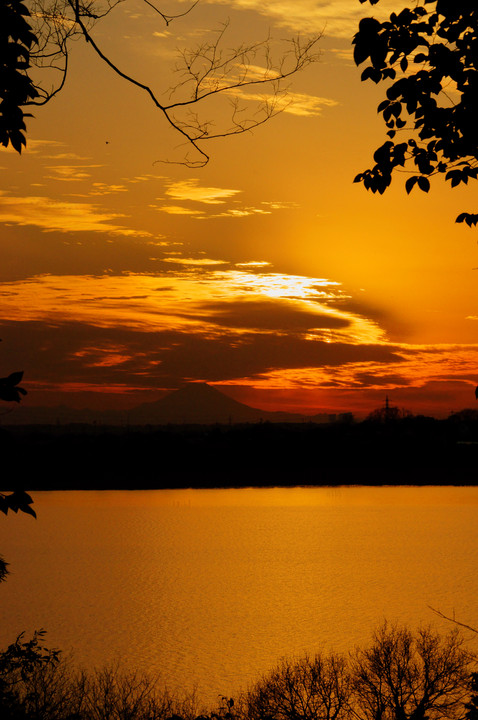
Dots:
(315, 688)
(407, 675)
(401, 675)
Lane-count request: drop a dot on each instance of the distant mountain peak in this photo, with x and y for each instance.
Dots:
(196, 389)
(196, 402)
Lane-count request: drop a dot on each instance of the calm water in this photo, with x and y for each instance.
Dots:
(209, 588)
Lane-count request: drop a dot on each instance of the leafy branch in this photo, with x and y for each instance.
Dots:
(427, 55)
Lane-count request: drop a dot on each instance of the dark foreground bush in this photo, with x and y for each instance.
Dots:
(308, 688)
(401, 675)
(37, 684)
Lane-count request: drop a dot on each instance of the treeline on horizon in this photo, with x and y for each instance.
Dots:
(401, 675)
(406, 450)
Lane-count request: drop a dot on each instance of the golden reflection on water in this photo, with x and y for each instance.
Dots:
(209, 588)
(301, 496)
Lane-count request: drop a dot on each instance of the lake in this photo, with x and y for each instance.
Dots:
(209, 588)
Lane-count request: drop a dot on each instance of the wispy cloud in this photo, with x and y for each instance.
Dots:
(253, 264)
(70, 173)
(55, 215)
(279, 204)
(64, 156)
(413, 366)
(307, 105)
(38, 146)
(192, 191)
(143, 178)
(132, 300)
(249, 327)
(197, 262)
(179, 210)
(337, 18)
(299, 104)
(101, 188)
(236, 213)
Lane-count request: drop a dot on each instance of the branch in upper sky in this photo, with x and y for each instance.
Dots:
(202, 73)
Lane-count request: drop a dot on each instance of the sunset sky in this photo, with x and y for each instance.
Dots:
(267, 273)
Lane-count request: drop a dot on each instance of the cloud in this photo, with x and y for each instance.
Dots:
(35, 146)
(336, 18)
(343, 54)
(199, 262)
(236, 213)
(299, 104)
(104, 355)
(70, 173)
(282, 100)
(189, 293)
(143, 178)
(253, 264)
(280, 315)
(266, 207)
(64, 156)
(77, 352)
(100, 188)
(54, 215)
(280, 204)
(179, 210)
(198, 322)
(307, 105)
(191, 190)
(72, 356)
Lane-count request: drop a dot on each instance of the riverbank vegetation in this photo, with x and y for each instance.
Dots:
(415, 450)
(401, 675)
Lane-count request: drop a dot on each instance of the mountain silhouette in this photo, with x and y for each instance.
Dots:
(195, 403)
(192, 404)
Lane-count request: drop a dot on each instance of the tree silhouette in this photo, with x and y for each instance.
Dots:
(249, 77)
(400, 675)
(407, 675)
(21, 663)
(309, 688)
(430, 53)
(472, 704)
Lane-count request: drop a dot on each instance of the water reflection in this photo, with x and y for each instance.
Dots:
(209, 588)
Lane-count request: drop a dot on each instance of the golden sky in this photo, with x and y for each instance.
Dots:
(267, 273)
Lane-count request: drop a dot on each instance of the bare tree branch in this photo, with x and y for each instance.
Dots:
(169, 18)
(452, 619)
(203, 73)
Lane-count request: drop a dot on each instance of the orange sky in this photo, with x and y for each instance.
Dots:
(268, 272)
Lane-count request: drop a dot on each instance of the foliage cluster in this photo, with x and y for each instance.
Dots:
(429, 51)
(16, 86)
(14, 501)
(401, 675)
(9, 388)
